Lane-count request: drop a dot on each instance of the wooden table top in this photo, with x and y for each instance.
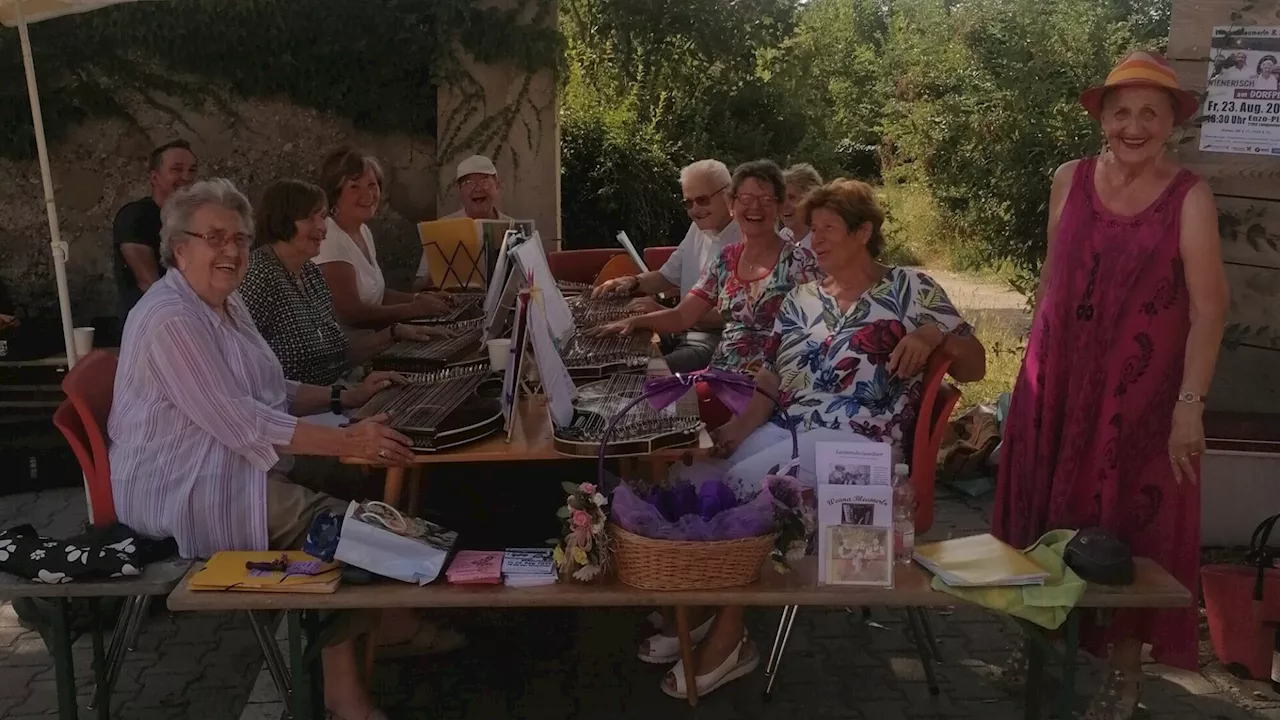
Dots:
(1152, 588)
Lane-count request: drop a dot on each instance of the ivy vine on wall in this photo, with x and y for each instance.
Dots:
(375, 64)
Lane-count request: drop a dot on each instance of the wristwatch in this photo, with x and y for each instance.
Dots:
(1186, 396)
(335, 399)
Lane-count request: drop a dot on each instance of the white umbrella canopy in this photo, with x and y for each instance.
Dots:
(20, 13)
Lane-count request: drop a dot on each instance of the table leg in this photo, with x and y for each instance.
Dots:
(394, 486)
(658, 471)
(1071, 645)
(686, 654)
(304, 685)
(101, 689)
(63, 664)
(1035, 677)
(779, 647)
(416, 475)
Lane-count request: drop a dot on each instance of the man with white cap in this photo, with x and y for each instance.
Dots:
(479, 188)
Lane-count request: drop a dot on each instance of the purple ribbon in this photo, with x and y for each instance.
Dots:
(732, 389)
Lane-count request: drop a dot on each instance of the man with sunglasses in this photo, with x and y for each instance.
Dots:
(480, 191)
(705, 186)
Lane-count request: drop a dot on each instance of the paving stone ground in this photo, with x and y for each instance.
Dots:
(581, 665)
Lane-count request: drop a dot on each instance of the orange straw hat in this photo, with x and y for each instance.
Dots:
(1143, 69)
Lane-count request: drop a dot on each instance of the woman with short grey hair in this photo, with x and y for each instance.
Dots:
(202, 414)
(800, 179)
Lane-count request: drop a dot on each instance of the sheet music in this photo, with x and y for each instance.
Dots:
(556, 383)
(498, 280)
(515, 365)
(533, 261)
(631, 250)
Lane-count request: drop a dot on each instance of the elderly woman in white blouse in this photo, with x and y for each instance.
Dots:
(202, 415)
(352, 182)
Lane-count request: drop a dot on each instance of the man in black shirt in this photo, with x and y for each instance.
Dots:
(136, 231)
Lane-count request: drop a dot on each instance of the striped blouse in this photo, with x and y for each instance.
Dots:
(200, 407)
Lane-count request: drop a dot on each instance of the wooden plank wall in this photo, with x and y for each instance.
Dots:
(1248, 195)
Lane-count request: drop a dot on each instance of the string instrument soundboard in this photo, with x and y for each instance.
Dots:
(416, 357)
(443, 408)
(589, 312)
(641, 431)
(590, 358)
(466, 306)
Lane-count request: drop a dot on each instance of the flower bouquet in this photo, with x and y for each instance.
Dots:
(583, 552)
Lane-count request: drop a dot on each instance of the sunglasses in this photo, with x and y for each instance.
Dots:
(702, 200)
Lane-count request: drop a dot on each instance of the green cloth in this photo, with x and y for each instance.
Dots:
(1045, 605)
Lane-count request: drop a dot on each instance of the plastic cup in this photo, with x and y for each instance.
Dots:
(83, 340)
(499, 354)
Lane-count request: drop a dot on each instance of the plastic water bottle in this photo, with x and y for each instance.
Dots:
(904, 514)
(1275, 664)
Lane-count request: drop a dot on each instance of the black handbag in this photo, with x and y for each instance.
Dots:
(1099, 557)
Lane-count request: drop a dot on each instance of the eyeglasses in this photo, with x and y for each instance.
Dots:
(702, 200)
(487, 182)
(220, 239)
(761, 200)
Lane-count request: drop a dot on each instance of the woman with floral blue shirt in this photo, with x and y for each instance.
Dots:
(846, 359)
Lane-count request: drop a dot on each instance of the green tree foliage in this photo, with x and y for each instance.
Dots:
(690, 69)
(984, 108)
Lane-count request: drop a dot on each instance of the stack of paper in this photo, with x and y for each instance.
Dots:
(475, 567)
(528, 567)
(305, 574)
(979, 561)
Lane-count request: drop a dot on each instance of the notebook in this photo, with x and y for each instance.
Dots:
(528, 567)
(979, 561)
(305, 574)
(475, 567)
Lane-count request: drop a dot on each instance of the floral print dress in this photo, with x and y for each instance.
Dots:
(833, 365)
(749, 309)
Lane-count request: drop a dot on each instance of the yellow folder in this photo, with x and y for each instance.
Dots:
(455, 253)
(227, 571)
(979, 561)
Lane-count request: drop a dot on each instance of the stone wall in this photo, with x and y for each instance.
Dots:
(102, 164)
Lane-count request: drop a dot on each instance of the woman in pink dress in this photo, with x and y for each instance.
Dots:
(1105, 426)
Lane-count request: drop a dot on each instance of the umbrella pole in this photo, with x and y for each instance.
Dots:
(58, 246)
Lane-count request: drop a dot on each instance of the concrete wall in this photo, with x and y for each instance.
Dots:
(527, 155)
(101, 166)
(1237, 489)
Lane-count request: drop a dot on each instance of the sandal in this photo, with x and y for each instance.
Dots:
(1117, 699)
(429, 640)
(659, 649)
(740, 662)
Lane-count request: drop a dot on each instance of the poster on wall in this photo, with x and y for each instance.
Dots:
(1242, 106)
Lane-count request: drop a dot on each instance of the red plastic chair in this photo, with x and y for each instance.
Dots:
(656, 257)
(939, 398)
(580, 266)
(82, 418)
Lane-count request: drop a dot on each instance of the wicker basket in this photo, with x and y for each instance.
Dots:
(670, 565)
(685, 565)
